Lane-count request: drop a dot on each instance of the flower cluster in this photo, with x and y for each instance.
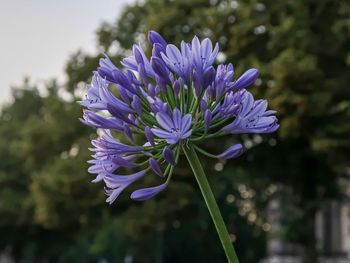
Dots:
(159, 104)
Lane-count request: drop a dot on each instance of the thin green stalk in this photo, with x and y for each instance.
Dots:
(201, 137)
(209, 198)
(204, 152)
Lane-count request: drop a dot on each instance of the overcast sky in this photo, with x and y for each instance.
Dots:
(37, 36)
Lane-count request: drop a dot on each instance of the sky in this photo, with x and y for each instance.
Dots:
(37, 36)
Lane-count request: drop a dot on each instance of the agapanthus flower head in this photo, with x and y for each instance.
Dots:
(157, 105)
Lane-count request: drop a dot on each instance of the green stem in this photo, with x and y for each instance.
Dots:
(209, 198)
(205, 152)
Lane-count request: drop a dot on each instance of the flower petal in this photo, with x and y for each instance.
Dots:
(164, 120)
(186, 122)
(155, 167)
(169, 155)
(147, 193)
(232, 152)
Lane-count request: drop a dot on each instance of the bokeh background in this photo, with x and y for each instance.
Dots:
(285, 200)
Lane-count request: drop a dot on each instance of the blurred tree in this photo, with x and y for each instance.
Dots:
(16, 205)
(48, 206)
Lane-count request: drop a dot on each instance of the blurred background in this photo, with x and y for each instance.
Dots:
(286, 200)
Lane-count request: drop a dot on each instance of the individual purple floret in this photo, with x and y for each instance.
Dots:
(155, 167)
(169, 155)
(174, 126)
(147, 193)
(157, 105)
(117, 183)
(251, 116)
(232, 152)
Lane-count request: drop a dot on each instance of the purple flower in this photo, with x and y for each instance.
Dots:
(179, 62)
(161, 71)
(203, 55)
(207, 120)
(117, 183)
(149, 135)
(136, 104)
(155, 167)
(223, 80)
(147, 193)
(174, 127)
(232, 152)
(169, 156)
(139, 58)
(96, 121)
(155, 38)
(164, 102)
(176, 87)
(93, 99)
(98, 96)
(106, 69)
(252, 117)
(247, 79)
